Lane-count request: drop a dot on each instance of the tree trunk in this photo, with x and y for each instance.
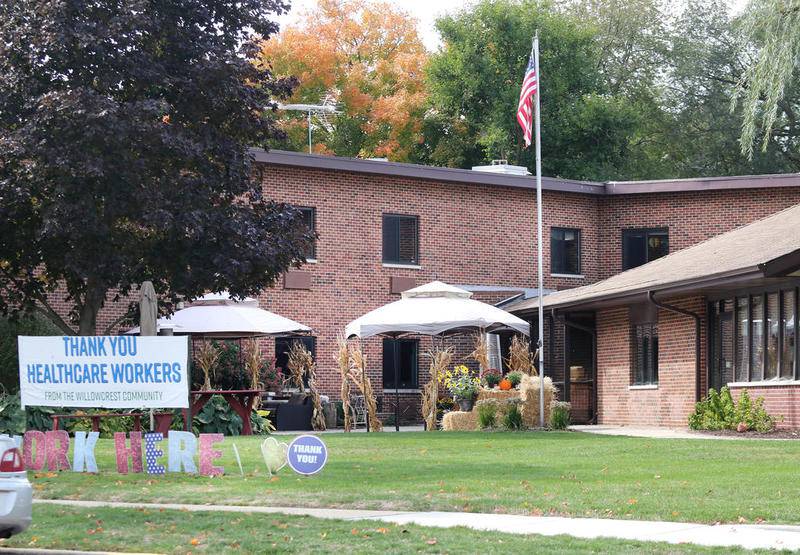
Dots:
(87, 325)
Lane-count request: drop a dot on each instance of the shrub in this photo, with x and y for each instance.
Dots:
(492, 377)
(718, 411)
(12, 417)
(559, 415)
(217, 416)
(487, 413)
(512, 419)
(9, 331)
(515, 378)
(107, 426)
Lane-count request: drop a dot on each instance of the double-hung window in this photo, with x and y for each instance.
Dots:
(565, 251)
(400, 239)
(644, 354)
(640, 246)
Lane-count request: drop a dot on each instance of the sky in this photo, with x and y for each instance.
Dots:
(427, 11)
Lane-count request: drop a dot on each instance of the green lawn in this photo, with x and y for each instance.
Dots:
(180, 532)
(563, 473)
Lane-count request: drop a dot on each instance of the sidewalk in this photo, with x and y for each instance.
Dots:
(750, 536)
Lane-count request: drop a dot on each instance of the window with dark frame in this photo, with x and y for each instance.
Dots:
(309, 216)
(565, 251)
(764, 343)
(640, 246)
(284, 344)
(408, 372)
(644, 354)
(400, 239)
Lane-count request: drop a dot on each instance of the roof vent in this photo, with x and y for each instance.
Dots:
(502, 166)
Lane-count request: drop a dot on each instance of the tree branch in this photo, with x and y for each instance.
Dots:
(47, 311)
(117, 321)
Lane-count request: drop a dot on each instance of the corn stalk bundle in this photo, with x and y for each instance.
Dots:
(481, 352)
(358, 374)
(519, 356)
(300, 360)
(343, 361)
(253, 360)
(317, 416)
(440, 361)
(207, 358)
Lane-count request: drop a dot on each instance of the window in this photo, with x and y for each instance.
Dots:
(565, 251)
(284, 344)
(640, 246)
(408, 372)
(644, 354)
(764, 340)
(309, 217)
(400, 239)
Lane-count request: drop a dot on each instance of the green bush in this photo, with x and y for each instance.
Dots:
(515, 378)
(217, 416)
(12, 417)
(487, 413)
(718, 411)
(512, 419)
(559, 415)
(9, 330)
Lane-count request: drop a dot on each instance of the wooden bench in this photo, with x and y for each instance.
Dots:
(163, 419)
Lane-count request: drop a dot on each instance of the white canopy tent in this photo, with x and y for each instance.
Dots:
(217, 316)
(435, 308)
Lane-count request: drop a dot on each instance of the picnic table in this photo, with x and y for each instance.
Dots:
(240, 400)
(163, 419)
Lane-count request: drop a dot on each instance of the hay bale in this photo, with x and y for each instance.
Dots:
(498, 394)
(529, 393)
(457, 421)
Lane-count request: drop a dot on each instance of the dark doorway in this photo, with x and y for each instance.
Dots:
(579, 367)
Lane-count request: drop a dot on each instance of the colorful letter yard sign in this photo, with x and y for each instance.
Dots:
(307, 455)
(104, 371)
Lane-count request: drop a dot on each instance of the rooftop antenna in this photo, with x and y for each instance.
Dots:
(323, 113)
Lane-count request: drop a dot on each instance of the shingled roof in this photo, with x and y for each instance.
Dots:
(763, 249)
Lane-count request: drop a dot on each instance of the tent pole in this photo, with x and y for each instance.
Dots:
(396, 354)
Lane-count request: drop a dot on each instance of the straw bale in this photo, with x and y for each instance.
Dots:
(529, 393)
(498, 394)
(457, 421)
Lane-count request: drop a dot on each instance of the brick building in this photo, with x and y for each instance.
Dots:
(385, 227)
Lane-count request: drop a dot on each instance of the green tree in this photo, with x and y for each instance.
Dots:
(706, 62)
(773, 26)
(474, 83)
(125, 129)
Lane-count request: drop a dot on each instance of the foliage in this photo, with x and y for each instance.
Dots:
(125, 131)
(366, 56)
(460, 382)
(515, 378)
(107, 426)
(9, 331)
(775, 26)
(217, 416)
(12, 417)
(512, 419)
(492, 377)
(559, 415)
(718, 411)
(487, 412)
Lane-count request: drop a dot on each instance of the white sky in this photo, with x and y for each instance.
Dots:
(427, 11)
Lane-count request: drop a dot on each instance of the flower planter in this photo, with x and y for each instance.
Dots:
(465, 403)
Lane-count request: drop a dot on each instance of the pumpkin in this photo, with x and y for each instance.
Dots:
(505, 385)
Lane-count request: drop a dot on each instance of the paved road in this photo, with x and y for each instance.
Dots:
(750, 536)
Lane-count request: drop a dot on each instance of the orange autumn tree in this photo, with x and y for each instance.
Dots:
(368, 58)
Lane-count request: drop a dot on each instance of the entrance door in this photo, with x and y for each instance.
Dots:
(579, 384)
(722, 361)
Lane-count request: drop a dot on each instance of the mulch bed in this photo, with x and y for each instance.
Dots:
(777, 434)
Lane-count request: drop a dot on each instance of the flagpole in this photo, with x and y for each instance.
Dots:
(539, 263)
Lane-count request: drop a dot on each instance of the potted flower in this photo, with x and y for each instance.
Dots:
(492, 377)
(462, 385)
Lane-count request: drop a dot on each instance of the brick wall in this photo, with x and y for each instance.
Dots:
(780, 401)
(671, 402)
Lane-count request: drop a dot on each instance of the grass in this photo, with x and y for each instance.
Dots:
(164, 531)
(562, 473)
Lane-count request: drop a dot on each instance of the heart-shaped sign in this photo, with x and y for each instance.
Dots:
(274, 454)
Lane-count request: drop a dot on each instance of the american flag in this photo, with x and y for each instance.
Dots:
(530, 86)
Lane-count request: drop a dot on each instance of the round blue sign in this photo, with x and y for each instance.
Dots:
(307, 454)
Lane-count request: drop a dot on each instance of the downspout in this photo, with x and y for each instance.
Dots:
(697, 330)
(593, 333)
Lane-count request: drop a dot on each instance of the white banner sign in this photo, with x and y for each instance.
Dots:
(104, 371)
